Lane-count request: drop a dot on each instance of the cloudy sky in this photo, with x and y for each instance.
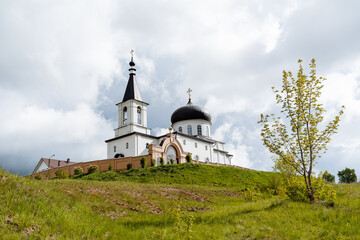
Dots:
(63, 67)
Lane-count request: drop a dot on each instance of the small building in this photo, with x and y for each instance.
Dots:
(47, 164)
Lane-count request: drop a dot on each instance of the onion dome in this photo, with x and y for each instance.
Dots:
(190, 112)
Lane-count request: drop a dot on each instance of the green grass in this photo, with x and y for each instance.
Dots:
(141, 204)
(196, 174)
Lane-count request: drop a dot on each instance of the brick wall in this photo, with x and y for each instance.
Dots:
(119, 164)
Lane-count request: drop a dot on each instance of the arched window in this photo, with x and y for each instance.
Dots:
(196, 145)
(180, 129)
(199, 130)
(127, 145)
(114, 148)
(189, 130)
(139, 115)
(207, 131)
(125, 115)
(184, 142)
(147, 145)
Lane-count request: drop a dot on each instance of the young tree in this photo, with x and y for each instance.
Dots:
(347, 176)
(328, 177)
(296, 139)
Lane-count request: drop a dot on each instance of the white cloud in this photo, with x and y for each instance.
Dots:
(61, 63)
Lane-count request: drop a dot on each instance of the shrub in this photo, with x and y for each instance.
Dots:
(276, 185)
(296, 189)
(78, 171)
(323, 191)
(111, 168)
(143, 162)
(347, 176)
(251, 194)
(188, 158)
(153, 162)
(48, 175)
(162, 161)
(328, 177)
(93, 169)
(129, 166)
(61, 174)
(38, 177)
(172, 161)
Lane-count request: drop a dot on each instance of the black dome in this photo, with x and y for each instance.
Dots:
(190, 112)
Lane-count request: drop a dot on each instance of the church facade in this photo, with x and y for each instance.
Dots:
(190, 132)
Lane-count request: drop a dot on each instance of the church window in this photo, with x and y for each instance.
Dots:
(199, 130)
(205, 147)
(196, 145)
(125, 115)
(197, 157)
(139, 115)
(127, 145)
(189, 128)
(180, 129)
(114, 148)
(184, 142)
(207, 159)
(207, 130)
(147, 145)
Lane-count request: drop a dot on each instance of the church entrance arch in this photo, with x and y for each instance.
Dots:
(171, 154)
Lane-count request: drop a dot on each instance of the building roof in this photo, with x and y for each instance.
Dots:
(132, 90)
(190, 112)
(53, 163)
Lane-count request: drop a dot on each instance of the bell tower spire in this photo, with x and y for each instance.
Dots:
(132, 111)
(132, 90)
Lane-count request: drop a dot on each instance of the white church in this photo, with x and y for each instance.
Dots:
(190, 131)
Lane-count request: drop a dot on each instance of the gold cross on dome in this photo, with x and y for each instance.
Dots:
(132, 53)
(189, 92)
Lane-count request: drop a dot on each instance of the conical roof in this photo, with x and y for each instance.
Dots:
(132, 90)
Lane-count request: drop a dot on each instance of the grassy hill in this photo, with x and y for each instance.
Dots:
(169, 202)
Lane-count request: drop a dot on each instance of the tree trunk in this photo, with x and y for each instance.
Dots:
(310, 190)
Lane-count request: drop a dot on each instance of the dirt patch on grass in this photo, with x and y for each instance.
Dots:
(115, 214)
(28, 231)
(197, 209)
(12, 223)
(152, 208)
(230, 194)
(3, 178)
(96, 191)
(191, 195)
(128, 206)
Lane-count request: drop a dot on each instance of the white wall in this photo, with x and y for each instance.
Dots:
(121, 147)
(42, 167)
(194, 123)
(200, 150)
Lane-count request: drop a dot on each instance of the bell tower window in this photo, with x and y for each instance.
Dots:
(125, 115)
(189, 129)
(139, 115)
(199, 130)
(180, 129)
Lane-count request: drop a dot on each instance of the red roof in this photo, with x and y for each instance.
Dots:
(53, 163)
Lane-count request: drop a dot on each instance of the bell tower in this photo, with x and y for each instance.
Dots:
(132, 111)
